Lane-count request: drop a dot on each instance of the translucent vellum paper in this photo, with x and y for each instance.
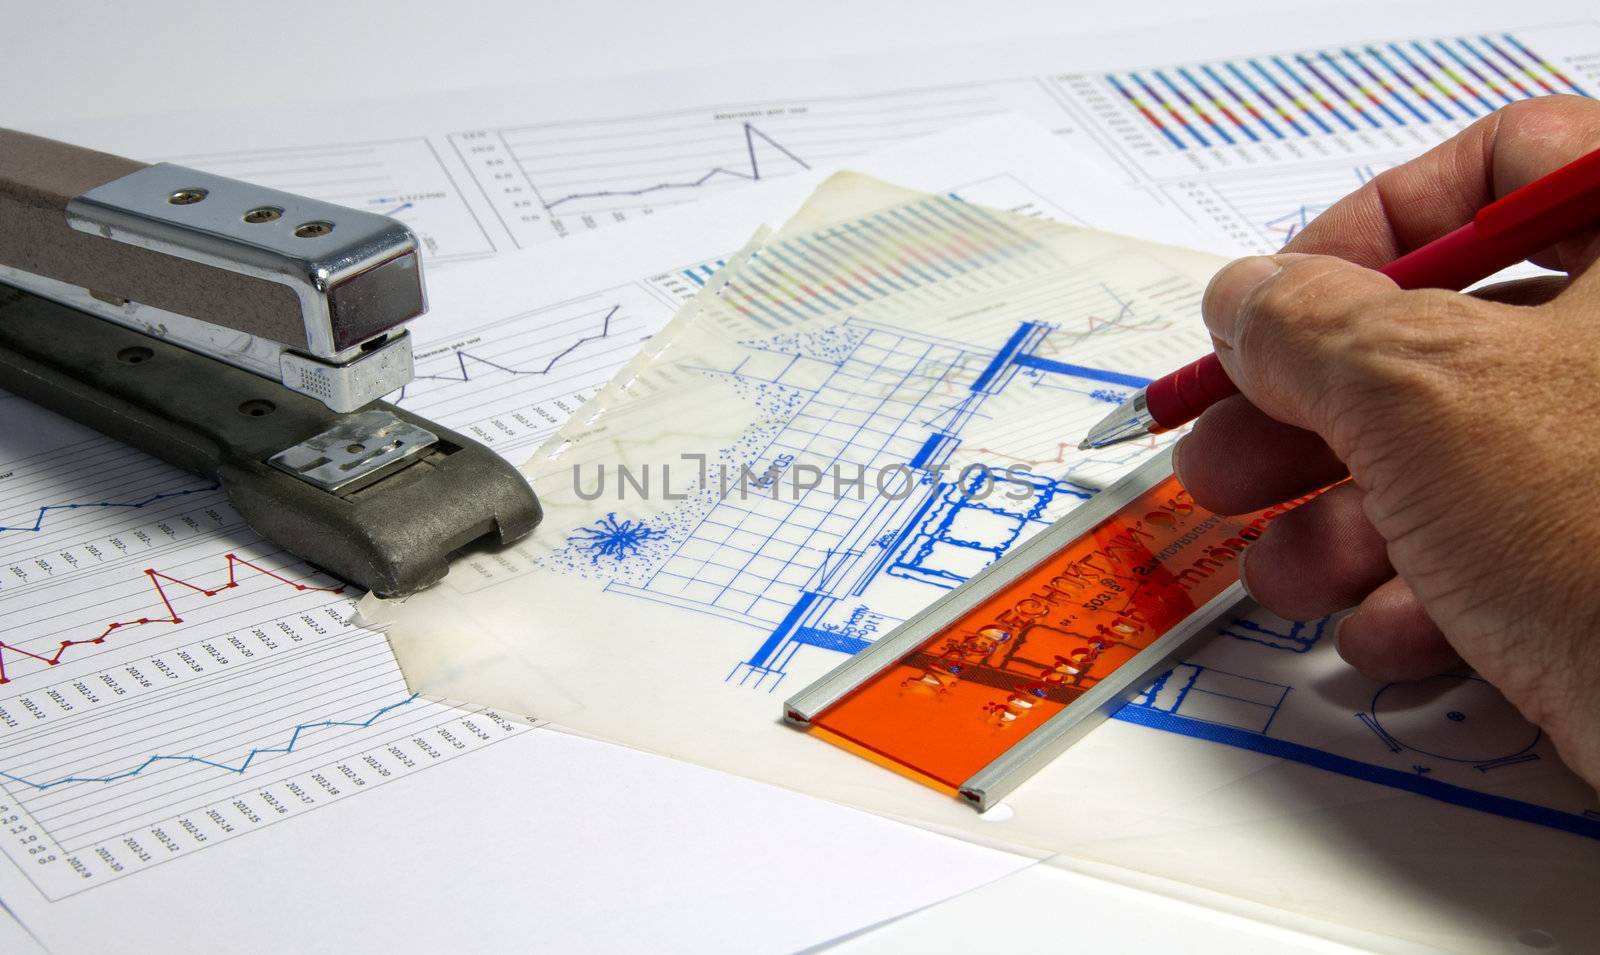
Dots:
(861, 411)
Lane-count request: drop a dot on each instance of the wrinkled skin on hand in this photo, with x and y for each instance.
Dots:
(1469, 426)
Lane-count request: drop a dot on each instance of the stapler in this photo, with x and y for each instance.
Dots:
(247, 335)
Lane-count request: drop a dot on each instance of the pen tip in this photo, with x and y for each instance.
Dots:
(1084, 445)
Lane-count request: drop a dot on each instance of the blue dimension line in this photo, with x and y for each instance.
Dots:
(1079, 371)
(1321, 759)
(294, 739)
(38, 520)
(753, 174)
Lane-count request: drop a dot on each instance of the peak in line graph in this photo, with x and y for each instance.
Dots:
(584, 174)
(749, 170)
(160, 584)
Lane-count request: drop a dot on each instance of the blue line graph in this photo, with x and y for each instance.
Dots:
(294, 740)
(751, 134)
(1283, 228)
(46, 510)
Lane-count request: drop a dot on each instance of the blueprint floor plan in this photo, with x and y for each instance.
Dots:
(887, 424)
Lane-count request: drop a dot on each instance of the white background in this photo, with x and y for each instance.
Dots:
(112, 58)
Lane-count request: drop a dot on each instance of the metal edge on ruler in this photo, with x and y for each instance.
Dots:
(836, 683)
(993, 782)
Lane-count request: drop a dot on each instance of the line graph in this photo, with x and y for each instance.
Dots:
(462, 358)
(1282, 228)
(1264, 212)
(61, 483)
(159, 583)
(206, 683)
(114, 771)
(574, 176)
(244, 764)
(751, 173)
(43, 511)
(1063, 450)
(180, 680)
(510, 381)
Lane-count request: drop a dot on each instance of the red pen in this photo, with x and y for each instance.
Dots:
(1503, 233)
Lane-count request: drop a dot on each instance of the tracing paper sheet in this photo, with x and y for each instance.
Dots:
(859, 412)
(754, 476)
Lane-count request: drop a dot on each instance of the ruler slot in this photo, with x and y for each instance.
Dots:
(986, 685)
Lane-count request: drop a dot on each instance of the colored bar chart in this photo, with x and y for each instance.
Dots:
(1383, 85)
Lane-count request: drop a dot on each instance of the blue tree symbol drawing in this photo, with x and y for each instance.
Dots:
(612, 539)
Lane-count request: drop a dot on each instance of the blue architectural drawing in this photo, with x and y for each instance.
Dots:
(1215, 696)
(972, 523)
(1296, 636)
(1436, 738)
(612, 539)
(1452, 717)
(816, 566)
(873, 405)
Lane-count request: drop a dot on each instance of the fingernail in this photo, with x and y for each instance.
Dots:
(1337, 620)
(1226, 293)
(1177, 468)
(1242, 581)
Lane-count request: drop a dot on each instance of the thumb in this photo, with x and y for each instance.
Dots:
(1324, 344)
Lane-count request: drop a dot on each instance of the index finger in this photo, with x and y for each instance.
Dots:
(1416, 202)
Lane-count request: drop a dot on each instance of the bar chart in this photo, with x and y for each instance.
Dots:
(1383, 95)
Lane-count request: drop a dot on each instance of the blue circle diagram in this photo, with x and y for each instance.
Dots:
(1458, 718)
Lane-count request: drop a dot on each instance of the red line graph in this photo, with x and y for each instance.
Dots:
(1063, 449)
(157, 579)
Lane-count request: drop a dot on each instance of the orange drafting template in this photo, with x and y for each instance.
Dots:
(989, 683)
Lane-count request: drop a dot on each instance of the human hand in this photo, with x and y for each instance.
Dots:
(1468, 424)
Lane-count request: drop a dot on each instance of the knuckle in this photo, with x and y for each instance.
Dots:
(1406, 362)
(1301, 287)
(1540, 112)
(1295, 308)
(1295, 332)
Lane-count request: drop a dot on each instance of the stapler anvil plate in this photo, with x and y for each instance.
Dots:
(244, 334)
